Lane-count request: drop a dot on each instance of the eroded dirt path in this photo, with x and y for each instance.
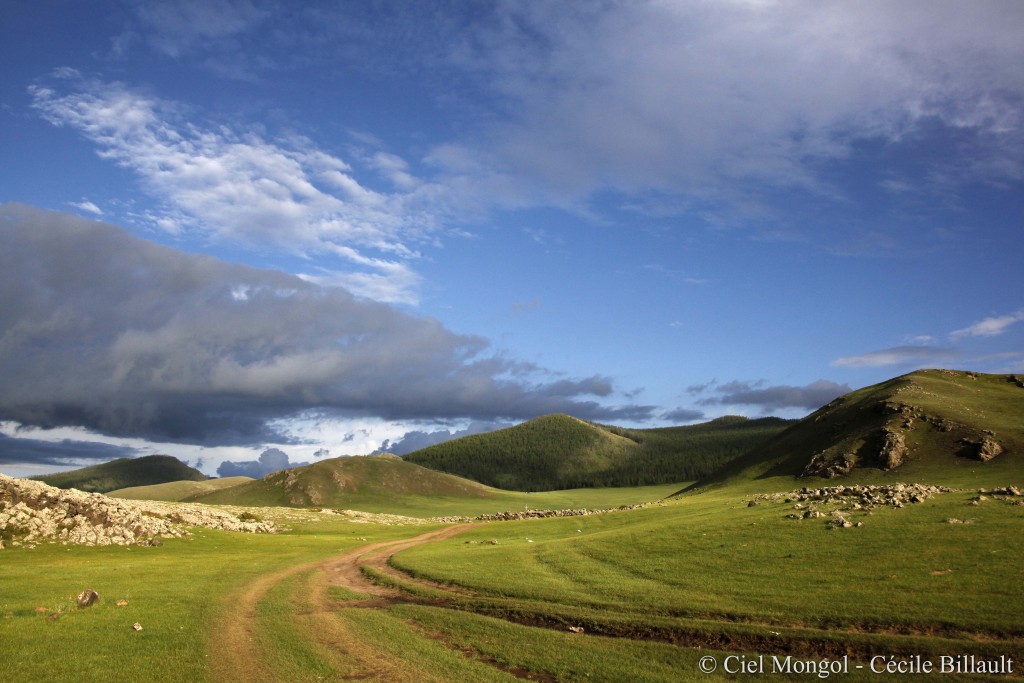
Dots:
(346, 570)
(239, 655)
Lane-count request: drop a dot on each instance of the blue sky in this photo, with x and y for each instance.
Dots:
(235, 225)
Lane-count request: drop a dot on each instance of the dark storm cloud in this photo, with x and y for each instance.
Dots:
(107, 331)
(769, 398)
(270, 461)
(34, 451)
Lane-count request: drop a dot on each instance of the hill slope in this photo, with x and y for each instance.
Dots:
(178, 490)
(346, 482)
(561, 452)
(934, 425)
(122, 473)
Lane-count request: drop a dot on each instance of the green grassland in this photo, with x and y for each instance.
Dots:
(177, 592)
(629, 595)
(561, 452)
(649, 586)
(178, 490)
(123, 473)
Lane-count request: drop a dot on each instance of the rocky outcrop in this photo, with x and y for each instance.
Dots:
(894, 450)
(32, 512)
(829, 466)
(987, 449)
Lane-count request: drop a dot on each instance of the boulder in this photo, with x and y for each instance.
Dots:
(87, 597)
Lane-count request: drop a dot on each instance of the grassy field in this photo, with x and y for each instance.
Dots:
(480, 500)
(178, 490)
(654, 590)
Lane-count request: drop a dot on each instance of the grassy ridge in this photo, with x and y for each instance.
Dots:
(561, 452)
(123, 473)
(940, 416)
(390, 485)
(346, 482)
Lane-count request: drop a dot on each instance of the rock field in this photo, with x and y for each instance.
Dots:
(32, 512)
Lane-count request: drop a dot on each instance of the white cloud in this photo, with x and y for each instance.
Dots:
(239, 187)
(88, 207)
(899, 355)
(989, 327)
(704, 99)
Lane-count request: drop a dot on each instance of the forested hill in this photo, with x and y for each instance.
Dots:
(562, 452)
(122, 473)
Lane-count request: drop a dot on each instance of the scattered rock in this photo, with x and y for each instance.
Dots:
(543, 514)
(87, 597)
(137, 626)
(862, 499)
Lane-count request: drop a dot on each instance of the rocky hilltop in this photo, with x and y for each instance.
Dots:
(32, 512)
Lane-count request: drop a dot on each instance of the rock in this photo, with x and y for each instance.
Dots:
(894, 450)
(988, 448)
(137, 626)
(576, 629)
(87, 597)
(121, 603)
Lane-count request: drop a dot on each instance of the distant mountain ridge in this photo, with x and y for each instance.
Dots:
(123, 473)
(562, 452)
(933, 424)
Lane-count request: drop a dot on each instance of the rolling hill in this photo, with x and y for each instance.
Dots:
(939, 426)
(122, 473)
(178, 490)
(561, 452)
(347, 482)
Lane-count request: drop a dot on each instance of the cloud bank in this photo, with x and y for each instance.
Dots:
(772, 398)
(18, 451)
(270, 461)
(122, 336)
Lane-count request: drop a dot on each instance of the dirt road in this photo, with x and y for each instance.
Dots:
(239, 653)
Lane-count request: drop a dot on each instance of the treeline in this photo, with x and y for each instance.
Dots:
(560, 452)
